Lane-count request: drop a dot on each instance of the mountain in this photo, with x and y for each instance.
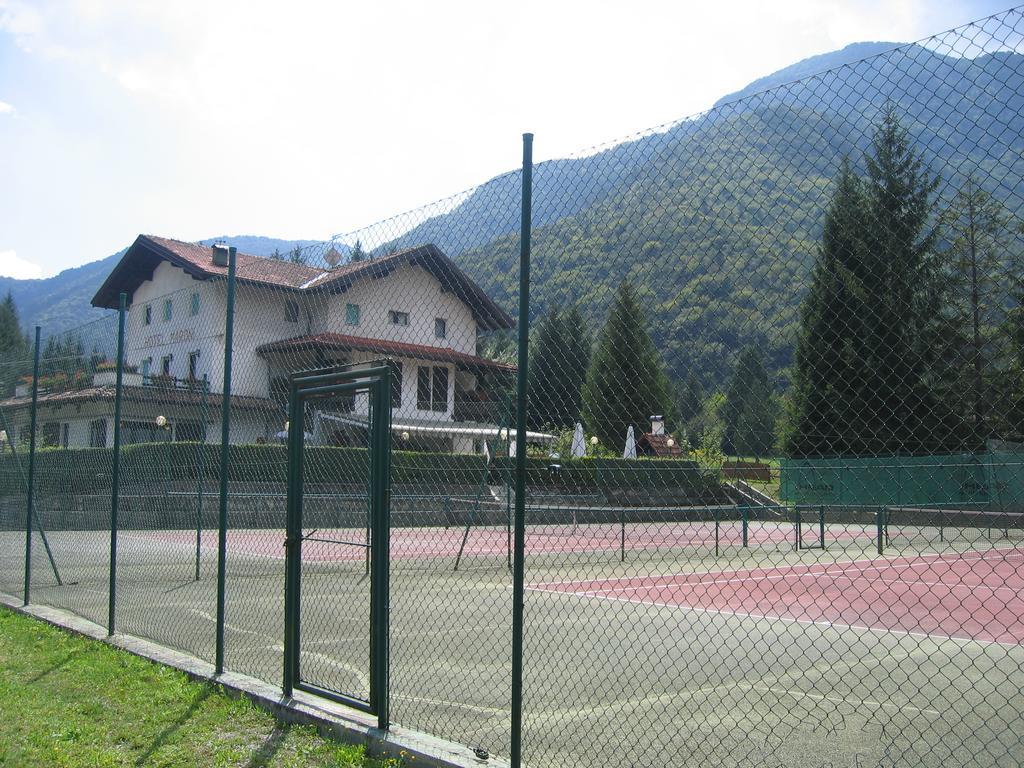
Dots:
(61, 302)
(716, 218)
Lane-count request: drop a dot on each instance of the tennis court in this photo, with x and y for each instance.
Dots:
(777, 650)
(969, 596)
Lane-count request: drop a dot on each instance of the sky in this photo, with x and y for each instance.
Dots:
(307, 119)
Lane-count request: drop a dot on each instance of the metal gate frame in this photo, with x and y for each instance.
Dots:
(375, 380)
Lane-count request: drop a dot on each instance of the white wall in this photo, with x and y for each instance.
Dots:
(409, 408)
(260, 318)
(408, 289)
(184, 332)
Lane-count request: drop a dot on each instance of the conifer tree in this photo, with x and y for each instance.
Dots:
(749, 408)
(558, 369)
(626, 382)
(864, 373)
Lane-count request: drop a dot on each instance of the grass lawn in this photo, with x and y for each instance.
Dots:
(70, 701)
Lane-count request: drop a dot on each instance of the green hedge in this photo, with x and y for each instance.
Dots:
(87, 470)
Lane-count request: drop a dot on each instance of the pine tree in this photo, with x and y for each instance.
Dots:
(689, 402)
(357, 253)
(12, 339)
(978, 231)
(749, 408)
(825, 391)
(865, 366)
(14, 347)
(296, 255)
(626, 382)
(558, 369)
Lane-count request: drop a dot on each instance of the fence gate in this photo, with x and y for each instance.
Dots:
(336, 543)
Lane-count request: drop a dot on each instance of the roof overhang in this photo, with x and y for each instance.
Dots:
(336, 342)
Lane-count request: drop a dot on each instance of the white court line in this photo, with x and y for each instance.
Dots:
(800, 574)
(841, 699)
(212, 620)
(774, 572)
(785, 619)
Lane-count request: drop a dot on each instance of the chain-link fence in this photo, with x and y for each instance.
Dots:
(742, 485)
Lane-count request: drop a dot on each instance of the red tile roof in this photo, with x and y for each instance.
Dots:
(257, 269)
(342, 342)
(657, 445)
(146, 253)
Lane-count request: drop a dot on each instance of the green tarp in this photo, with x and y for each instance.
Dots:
(993, 480)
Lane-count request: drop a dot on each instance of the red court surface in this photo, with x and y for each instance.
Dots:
(568, 539)
(969, 596)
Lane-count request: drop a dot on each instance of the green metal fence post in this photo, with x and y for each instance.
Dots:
(821, 526)
(379, 584)
(115, 467)
(292, 542)
(200, 472)
(519, 555)
(31, 466)
(39, 526)
(225, 435)
(799, 531)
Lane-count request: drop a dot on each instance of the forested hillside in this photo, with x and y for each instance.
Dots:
(717, 219)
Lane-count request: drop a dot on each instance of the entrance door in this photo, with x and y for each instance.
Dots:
(336, 542)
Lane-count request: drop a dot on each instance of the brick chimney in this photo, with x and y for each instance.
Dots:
(220, 254)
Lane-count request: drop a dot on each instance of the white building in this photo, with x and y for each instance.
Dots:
(414, 307)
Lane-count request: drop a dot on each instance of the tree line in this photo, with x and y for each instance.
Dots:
(910, 339)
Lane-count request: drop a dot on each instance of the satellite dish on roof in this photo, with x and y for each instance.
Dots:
(332, 257)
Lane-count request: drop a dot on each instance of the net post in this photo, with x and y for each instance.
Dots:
(115, 468)
(519, 555)
(880, 526)
(622, 535)
(797, 528)
(746, 524)
(821, 525)
(225, 434)
(31, 466)
(716, 531)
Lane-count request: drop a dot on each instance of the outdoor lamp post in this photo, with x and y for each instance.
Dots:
(163, 424)
(405, 437)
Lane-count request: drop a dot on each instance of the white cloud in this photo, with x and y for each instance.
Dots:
(6, 109)
(333, 115)
(12, 266)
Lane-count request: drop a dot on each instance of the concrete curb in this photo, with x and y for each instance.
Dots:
(331, 720)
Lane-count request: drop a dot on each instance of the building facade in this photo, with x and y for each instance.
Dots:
(415, 308)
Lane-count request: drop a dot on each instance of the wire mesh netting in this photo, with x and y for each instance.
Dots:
(774, 498)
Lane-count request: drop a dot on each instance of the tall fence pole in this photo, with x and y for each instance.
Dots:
(115, 466)
(225, 434)
(519, 554)
(200, 473)
(31, 466)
